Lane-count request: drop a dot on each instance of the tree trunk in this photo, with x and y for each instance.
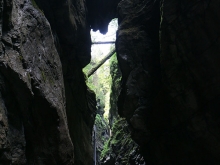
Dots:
(100, 63)
(105, 42)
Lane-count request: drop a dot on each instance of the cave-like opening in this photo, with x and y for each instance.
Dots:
(112, 142)
(100, 74)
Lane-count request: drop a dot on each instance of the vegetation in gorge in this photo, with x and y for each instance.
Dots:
(100, 83)
(102, 127)
(120, 148)
(115, 88)
(105, 82)
(102, 135)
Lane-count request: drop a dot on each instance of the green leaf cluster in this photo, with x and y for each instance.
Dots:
(100, 82)
(120, 143)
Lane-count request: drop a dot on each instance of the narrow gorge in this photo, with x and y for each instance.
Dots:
(162, 86)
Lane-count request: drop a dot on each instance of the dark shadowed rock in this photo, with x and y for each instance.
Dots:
(34, 126)
(171, 101)
(168, 53)
(101, 13)
(34, 106)
(138, 56)
(72, 35)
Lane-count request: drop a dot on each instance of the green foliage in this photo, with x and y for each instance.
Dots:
(101, 128)
(100, 82)
(120, 143)
(106, 149)
(115, 88)
(99, 121)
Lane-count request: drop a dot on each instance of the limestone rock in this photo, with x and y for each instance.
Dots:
(34, 127)
(170, 91)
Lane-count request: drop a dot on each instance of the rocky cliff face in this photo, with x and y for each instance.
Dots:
(171, 97)
(45, 108)
(168, 53)
(139, 60)
(33, 117)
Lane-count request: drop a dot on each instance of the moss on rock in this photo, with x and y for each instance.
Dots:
(120, 148)
(115, 88)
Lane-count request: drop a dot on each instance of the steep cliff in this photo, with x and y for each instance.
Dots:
(168, 53)
(170, 91)
(43, 115)
(119, 148)
(137, 48)
(71, 31)
(33, 118)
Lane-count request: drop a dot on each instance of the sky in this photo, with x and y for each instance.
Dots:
(103, 49)
(99, 51)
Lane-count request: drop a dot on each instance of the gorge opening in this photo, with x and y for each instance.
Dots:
(111, 139)
(100, 75)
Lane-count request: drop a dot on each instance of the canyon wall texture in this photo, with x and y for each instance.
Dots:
(168, 54)
(33, 117)
(171, 77)
(47, 113)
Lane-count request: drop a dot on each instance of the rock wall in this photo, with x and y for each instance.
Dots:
(72, 35)
(170, 90)
(33, 117)
(191, 75)
(47, 113)
(137, 47)
(168, 56)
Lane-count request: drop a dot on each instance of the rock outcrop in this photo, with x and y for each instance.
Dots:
(33, 117)
(120, 148)
(170, 91)
(47, 113)
(137, 48)
(71, 31)
(168, 53)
